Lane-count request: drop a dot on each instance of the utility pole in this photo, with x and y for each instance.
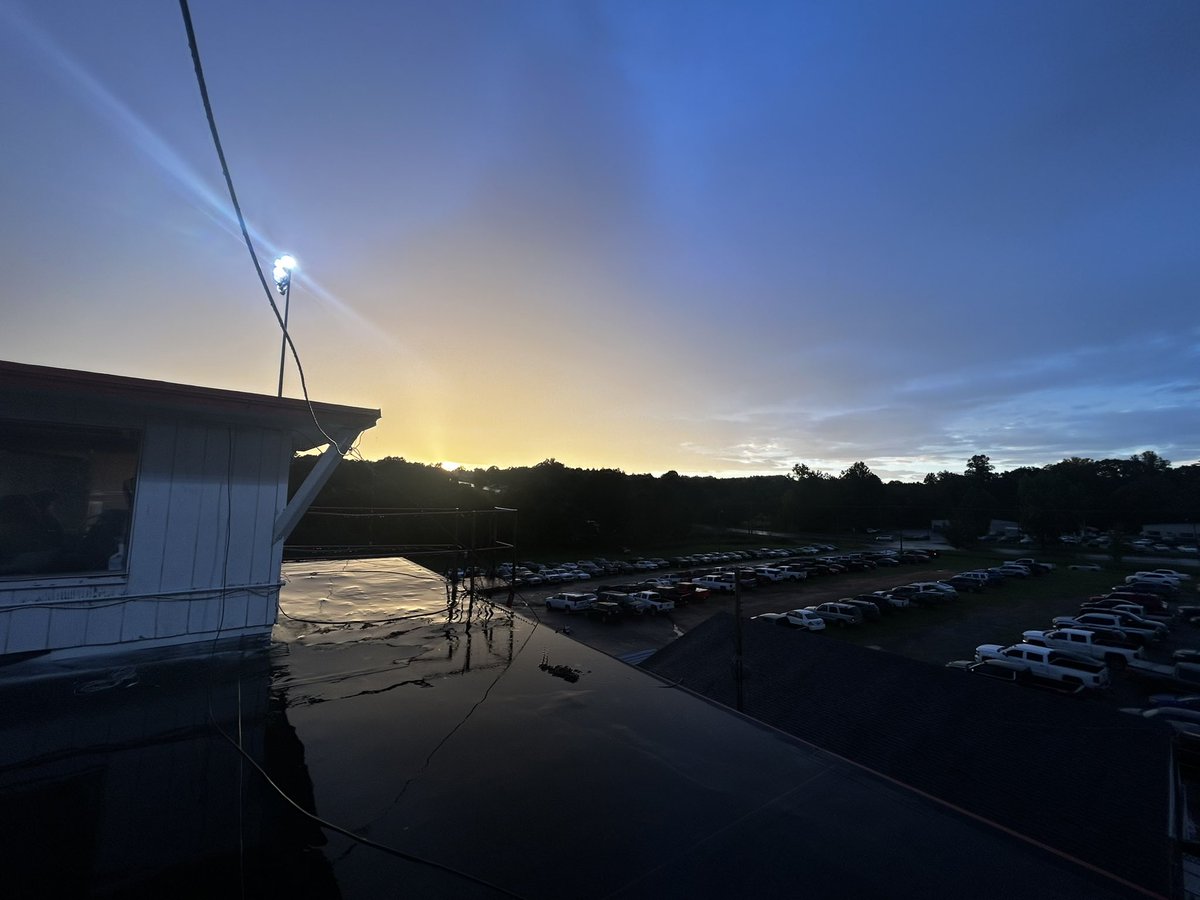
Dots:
(737, 636)
(284, 267)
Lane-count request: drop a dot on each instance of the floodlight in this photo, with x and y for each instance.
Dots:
(282, 273)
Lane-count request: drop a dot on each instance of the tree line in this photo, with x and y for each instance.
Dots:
(563, 507)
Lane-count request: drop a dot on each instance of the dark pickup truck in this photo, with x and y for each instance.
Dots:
(1180, 675)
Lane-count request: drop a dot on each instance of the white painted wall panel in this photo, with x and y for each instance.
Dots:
(184, 529)
(67, 628)
(261, 609)
(185, 498)
(204, 615)
(235, 611)
(172, 618)
(104, 624)
(247, 463)
(151, 503)
(139, 622)
(267, 507)
(28, 629)
(208, 564)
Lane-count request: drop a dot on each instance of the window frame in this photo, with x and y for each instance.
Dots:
(121, 444)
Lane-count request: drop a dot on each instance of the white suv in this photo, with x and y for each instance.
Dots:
(571, 602)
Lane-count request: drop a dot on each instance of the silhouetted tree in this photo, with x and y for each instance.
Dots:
(980, 468)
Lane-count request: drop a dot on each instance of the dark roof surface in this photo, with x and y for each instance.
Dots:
(118, 391)
(1074, 774)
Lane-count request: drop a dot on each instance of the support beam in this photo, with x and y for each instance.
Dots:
(290, 515)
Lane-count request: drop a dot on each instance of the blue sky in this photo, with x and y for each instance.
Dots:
(709, 237)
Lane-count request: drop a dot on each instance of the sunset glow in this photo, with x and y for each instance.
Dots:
(709, 238)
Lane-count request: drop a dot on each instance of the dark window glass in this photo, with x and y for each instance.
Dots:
(65, 498)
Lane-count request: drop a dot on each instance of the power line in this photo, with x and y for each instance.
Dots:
(237, 208)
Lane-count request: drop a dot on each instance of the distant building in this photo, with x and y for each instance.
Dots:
(1172, 531)
(1004, 528)
(138, 513)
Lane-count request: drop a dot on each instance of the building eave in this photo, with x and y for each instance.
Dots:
(119, 392)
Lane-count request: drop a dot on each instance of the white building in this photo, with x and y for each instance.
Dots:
(138, 513)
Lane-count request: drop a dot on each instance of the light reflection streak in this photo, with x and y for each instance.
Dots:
(111, 109)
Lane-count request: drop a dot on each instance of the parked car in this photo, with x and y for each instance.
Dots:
(715, 583)
(962, 583)
(1171, 573)
(1153, 576)
(919, 597)
(650, 601)
(1043, 661)
(980, 577)
(768, 573)
(935, 586)
(796, 618)
(1152, 603)
(837, 614)
(794, 572)
(988, 668)
(1114, 621)
(868, 608)
(1183, 701)
(1011, 569)
(880, 602)
(1035, 567)
(571, 602)
(1105, 646)
(1103, 604)
(1157, 588)
(994, 579)
(895, 601)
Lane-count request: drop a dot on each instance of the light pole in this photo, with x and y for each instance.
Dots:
(283, 283)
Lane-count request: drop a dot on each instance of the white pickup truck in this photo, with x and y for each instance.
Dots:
(650, 600)
(792, 572)
(1052, 664)
(714, 583)
(1108, 648)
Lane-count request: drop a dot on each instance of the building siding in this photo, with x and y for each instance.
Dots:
(204, 512)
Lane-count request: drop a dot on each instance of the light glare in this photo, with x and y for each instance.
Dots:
(282, 272)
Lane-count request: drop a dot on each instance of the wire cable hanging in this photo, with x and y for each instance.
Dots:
(237, 208)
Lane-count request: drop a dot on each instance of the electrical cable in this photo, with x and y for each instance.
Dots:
(237, 208)
(156, 597)
(345, 832)
(323, 823)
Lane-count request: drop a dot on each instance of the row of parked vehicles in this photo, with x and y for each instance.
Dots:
(869, 607)
(663, 593)
(534, 573)
(799, 563)
(1110, 631)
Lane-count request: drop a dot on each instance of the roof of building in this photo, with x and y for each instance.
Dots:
(1064, 771)
(121, 394)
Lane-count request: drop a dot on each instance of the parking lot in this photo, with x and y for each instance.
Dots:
(931, 634)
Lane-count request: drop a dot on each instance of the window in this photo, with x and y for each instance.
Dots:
(65, 498)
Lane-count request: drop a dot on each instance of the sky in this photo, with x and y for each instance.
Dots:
(710, 237)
